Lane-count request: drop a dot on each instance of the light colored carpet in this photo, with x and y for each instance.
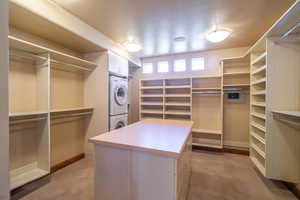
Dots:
(216, 176)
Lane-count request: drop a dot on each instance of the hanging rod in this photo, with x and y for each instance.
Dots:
(30, 54)
(290, 31)
(295, 124)
(72, 115)
(27, 120)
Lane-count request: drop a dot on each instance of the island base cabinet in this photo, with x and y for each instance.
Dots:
(136, 175)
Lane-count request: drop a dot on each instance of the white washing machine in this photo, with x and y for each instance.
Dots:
(118, 121)
(118, 95)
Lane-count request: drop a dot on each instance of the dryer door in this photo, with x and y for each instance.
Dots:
(120, 124)
(120, 95)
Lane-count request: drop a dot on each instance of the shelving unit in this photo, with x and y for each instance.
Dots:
(207, 112)
(45, 91)
(258, 111)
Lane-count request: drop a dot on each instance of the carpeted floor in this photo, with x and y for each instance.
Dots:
(216, 176)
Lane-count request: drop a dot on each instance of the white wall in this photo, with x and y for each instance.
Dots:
(4, 184)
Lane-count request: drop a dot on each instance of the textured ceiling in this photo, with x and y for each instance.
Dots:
(155, 23)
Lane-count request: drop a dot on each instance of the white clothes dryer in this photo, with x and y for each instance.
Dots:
(118, 121)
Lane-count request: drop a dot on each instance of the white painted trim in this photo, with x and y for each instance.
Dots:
(236, 144)
(4, 132)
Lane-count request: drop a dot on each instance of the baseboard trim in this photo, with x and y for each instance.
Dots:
(224, 150)
(66, 163)
(292, 187)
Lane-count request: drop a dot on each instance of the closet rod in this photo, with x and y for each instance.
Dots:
(27, 120)
(71, 65)
(290, 31)
(296, 124)
(73, 115)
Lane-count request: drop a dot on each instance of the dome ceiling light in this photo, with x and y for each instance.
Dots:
(217, 35)
(132, 46)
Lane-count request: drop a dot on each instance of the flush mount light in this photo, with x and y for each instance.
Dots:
(179, 39)
(132, 46)
(218, 35)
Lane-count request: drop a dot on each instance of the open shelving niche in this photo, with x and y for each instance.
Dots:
(236, 81)
(37, 95)
(207, 111)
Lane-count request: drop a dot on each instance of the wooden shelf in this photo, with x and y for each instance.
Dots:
(259, 104)
(259, 166)
(258, 115)
(177, 112)
(237, 85)
(288, 113)
(177, 95)
(177, 104)
(152, 111)
(71, 110)
(207, 76)
(205, 89)
(258, 126)
(260, 59)
(152, 103)
(259, 92)
(17, 43)
(236, 73)
(259, 138)
(11, 115)
(152, 87)
(177, 86)
(152, 95)
(258, 150)
(26, 174)
(207, 131)
(259, 70)
(215, 146)
(260, 81)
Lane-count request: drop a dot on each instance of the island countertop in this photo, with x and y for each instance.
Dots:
(166, 137)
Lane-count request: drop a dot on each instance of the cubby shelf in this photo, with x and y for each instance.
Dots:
(205, 89)
(260, 81)
(258, 150)
(258, 115)
(177, 86)
(152, 95)
(259, 70)
(260, 166)
(236, 73)
(207, 131)
(151, 87)
(259, 92)
(177, 112)
(260, 59)
(258, 126)
(25, 175)
(215, 146)
(152, 111)
(152, 103)
(177, 95)
(237, 85)
(259, 104)
(177, 104)
(24, 114)
(259, 138)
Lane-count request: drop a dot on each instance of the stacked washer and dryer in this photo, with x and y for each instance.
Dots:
(118, 91)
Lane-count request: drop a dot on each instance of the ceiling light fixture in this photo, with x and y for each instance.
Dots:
(217, 35)
(132, 46)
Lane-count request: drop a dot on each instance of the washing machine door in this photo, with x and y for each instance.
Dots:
(120, 124)
(120, 95)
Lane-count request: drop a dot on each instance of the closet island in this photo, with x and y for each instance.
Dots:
(146, 160)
